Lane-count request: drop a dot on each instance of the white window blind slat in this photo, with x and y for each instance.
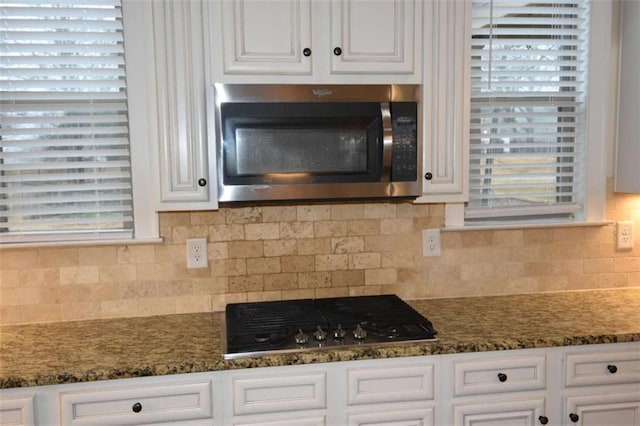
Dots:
(64, 146)
(528, 85)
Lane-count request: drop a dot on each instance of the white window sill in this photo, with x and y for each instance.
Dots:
(123, 242)
(506, 226)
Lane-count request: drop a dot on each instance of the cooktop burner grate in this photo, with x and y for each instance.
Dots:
(268, 327)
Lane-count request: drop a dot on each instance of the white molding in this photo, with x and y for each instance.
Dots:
(140, 89)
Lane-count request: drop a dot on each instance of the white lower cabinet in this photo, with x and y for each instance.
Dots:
(17, 410)
(590, 385)
(602, 386)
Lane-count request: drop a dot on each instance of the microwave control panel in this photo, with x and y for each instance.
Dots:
(404, 157)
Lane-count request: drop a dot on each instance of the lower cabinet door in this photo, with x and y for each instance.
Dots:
(179, 403)
(528, 412)
(393, 417)
(17, 411)
(606, 409)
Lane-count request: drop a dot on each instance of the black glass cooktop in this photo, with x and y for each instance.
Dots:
(261, 328)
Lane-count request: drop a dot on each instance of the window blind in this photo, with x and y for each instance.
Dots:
(528, 84)
(64, 146)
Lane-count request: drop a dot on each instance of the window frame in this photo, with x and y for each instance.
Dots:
(138, 53)
(600, 118)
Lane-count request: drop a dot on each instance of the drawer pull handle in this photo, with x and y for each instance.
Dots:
(574, 417)
(306, 51)
(137, 407)
(612, 369)
(543, 420)
(202, 182)
(337, 51)
(502, 377)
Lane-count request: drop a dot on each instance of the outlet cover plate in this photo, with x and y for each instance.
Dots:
(624, 235)
(431, 242)
(197, 256)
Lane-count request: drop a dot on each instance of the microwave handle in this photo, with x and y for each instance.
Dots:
(387, 141)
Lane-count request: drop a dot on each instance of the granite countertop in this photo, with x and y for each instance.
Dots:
(69, 352)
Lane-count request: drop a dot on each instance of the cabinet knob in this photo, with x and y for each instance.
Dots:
(502, 377)
(202, 182)
(543, 420)
(337, 51)
(306, 51)
(137, 407)
(612, 369)
(428, 176)
(574, 417)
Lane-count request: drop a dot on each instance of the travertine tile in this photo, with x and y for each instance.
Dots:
(119, 308)
(188, 304)
(220, 301)
(97, 256)
(212, 285)
(41, 313)
(381, 276)
(280, 248)
(314, 246)
(56, 257)
(380, 211)
(120, 273)
(347, 211)
(626, 264)
(228, 267)
(79, 275)
(279, 214)
(240, 249)
(598, 266)
(158, 306)
(343, 245)
(19, 296)
(9, 278)
(262, 231)
(314, 213)
(396, 226)
(364, 261)
(363, 227)
(246, 283)
(298, 263)
(11, 314)
(329, 228)
(226, 232)
(314, 279)
(244, 215)
(332, 292)
(207, 217)
(39, 277)
(181, 234)
(138, 290)
(280, 282)
(263, 265)
(296, 230)
(19, 259)
(136, 254)
(332, 262)
(347, 278)
(264, 296)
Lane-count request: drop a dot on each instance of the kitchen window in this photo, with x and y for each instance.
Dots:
(535, 145)
(66, 172)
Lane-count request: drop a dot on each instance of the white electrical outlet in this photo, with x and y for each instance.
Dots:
(431, 242)
(624, 235)
(197, 253)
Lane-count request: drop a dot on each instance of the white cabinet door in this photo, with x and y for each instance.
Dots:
(266, 37)
(18, 410)
(627, 177)
(374, 36)
(187, 174)
(446, 101)
(606, 409)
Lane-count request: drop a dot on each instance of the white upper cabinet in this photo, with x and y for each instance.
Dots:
(266, 37)
(374, 36)
(627, 177)
(446, 100)
(187, 178)
(315, 41)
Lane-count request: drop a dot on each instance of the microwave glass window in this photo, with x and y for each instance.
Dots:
(296, 150)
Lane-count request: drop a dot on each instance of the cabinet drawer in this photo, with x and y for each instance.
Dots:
(602, 368)
(485, 376)
(17, 411)
(526, 412)
(268, 394)
(376, 385)
(407, 417)
(138, 405)
(297, 420)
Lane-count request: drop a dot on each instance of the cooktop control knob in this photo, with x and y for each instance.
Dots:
(320, 335)
(301, 338)
(359, 333)
(339, 333)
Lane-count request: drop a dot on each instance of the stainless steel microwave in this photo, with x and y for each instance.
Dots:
(317, 142)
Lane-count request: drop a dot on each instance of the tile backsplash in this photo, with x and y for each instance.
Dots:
(283, 252)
